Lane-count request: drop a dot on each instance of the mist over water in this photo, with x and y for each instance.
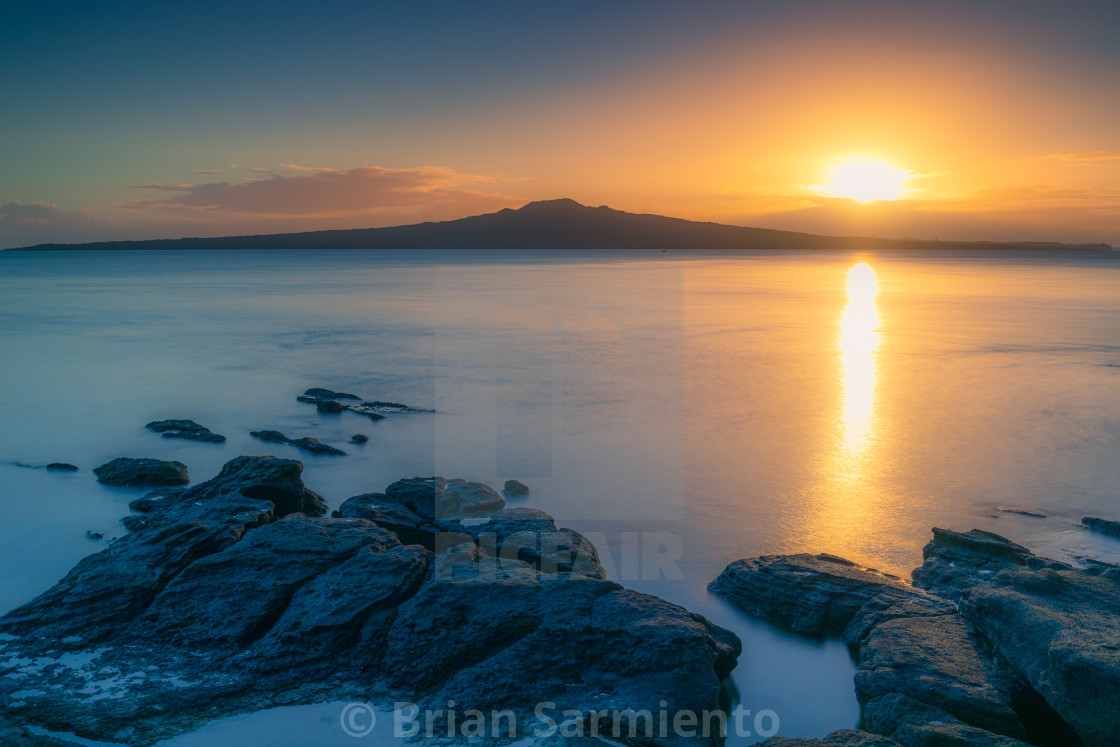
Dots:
(682, 410)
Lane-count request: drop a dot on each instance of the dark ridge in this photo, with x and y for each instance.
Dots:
(556, 224)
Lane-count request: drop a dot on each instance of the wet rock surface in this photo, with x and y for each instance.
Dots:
(523, 535)
(992, 646)
(913, 723)
(185, 429)
(515, 489)
(152, 473)
(1104, 526)
(308, 444)
(237, 594)
(938, 661)
(1056, 627)
(814, 594)
(61, 467)
(841, 738)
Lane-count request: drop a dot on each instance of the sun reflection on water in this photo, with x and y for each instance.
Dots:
(858, 342)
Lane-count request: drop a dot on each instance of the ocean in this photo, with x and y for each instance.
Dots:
(682, 409)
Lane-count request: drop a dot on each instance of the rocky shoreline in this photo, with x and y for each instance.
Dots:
(992, 646)
(238, 594)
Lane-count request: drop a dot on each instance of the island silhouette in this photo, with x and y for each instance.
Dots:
(558, 224)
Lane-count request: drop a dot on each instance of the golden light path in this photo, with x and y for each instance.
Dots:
(846, 509)
(858, 342)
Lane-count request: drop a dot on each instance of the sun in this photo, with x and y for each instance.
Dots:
(865, 180)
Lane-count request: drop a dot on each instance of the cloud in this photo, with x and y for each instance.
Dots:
(1090, 156)
(209, 171)
(324, 192)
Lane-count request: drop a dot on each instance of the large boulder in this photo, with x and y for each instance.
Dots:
(1056, 627)
(236, 595)
(147, 473)
(937, 660)
(814, 594)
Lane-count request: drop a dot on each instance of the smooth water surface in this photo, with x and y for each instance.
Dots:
(683, 410)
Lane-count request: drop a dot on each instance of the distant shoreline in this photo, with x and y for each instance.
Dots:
(562, 225)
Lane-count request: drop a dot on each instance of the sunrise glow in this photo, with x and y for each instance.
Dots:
(865, 180)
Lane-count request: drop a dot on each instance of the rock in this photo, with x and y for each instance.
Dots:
(359, 438)
(326, 401)
(62, 467)
(92, 535)
(841, 738)
(104, 592)
(237, 595)
(388, 514)
(1104, 526)
(433, 498)
(518, 534)
(187, 429)
(310, 445)
(936, 660)
(320, 393)
(510, 641)
(1021, 512)
(814, 594)
(912, 723)
(515, 489)
(142, 472)
(956, 560)
(1056, 627)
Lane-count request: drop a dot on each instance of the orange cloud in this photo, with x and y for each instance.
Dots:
(1091, 156)
(315, 191)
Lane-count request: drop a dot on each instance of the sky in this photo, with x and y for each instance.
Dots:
(1000, 119)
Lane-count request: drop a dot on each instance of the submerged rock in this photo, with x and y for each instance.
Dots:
(236, 595)
(310, 445)
(327, 401)
(1104, 526)
(359, 438)
(151, 473)
(61, 467)
(320, 393)
(186, 429)
(515, 489)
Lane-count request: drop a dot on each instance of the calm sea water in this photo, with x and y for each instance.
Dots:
(683, 410)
